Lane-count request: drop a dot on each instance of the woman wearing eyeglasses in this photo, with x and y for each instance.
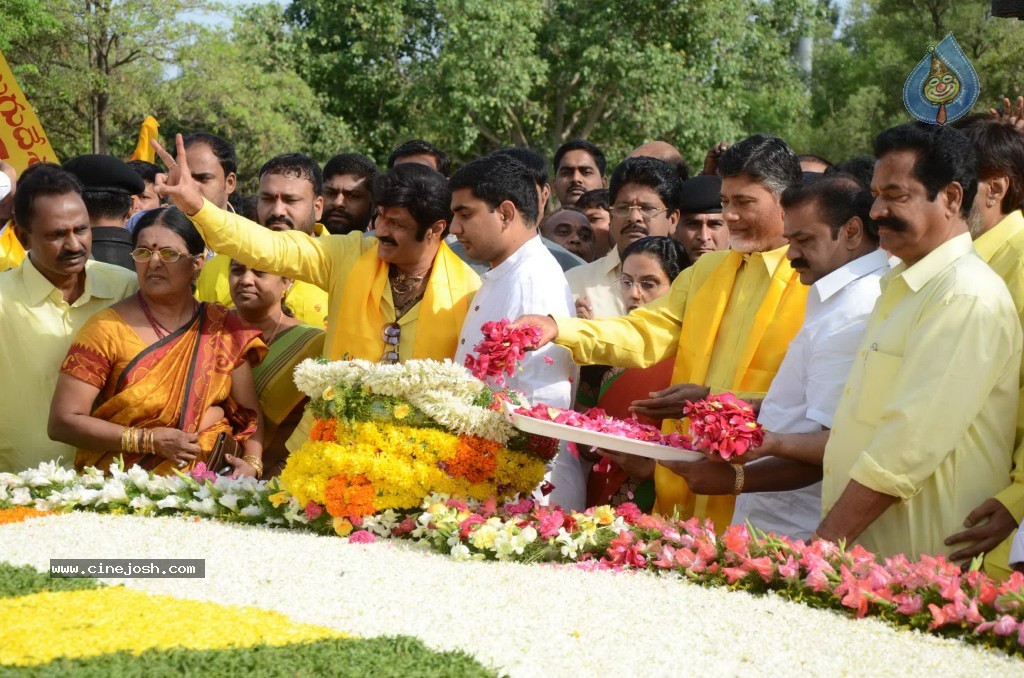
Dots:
(158, 378)
(259, 299)
(649, 266)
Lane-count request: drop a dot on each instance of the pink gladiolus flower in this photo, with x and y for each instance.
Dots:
(202, 474)
(734, 574)
(629, 512)
(466, 526)
(736, 539)
(1005, 625)
(550, 523)
(313, 510)
(362, 537)
(908, 604)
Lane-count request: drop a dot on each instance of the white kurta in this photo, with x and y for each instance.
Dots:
(531, 282)
(806, 389)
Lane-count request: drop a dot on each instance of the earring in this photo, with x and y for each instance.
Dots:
(990, 202)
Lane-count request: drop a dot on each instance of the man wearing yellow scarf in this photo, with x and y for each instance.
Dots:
(400, 295)
(728, 319)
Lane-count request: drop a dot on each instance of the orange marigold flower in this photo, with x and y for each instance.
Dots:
(475, 459)
(350, 496)
(20, 513)
(325, 430)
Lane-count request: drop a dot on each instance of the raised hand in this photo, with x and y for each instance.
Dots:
(711, 159)
(1012, 112)
(548, 328)
(178, 185)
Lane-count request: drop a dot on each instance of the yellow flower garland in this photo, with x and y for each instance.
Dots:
(38, 628)
(403, 464)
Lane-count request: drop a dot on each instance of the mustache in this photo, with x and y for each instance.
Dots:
(892, 223)
(336, 211)
(275, 219)
(63, 256)
(800, 262)
(388, 240)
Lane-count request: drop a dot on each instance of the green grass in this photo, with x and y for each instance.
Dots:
(399, 656)
(24, 580)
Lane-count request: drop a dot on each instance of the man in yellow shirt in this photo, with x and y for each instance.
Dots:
(997, 226)
(43, 303)
(728, 319)
(12, 253)
(924, 431)
(290, 197)
(381, 288)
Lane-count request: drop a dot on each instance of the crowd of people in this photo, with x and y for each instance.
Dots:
(870, 311)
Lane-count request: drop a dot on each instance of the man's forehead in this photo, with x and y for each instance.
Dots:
(345, 180)
(577, 158)
(571, 217)
(289, 184)
(701, 216)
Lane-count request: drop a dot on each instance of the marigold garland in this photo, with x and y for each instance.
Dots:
(349, 496)
(20, 513)
(475, 459)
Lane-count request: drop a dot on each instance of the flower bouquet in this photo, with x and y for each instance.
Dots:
(385, 436)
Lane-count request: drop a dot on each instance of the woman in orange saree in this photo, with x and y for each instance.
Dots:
(133, 387)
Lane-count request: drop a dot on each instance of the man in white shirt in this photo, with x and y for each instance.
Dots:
(644, 194)
(834, 247)
(495, 208)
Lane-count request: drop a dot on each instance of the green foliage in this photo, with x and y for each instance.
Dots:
(25, 580)
(398, 656)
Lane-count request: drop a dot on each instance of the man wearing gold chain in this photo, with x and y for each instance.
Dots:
(383, 290)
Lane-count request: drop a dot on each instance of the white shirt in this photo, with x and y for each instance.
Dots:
(531, 281)
(806, 389)
(598, 281)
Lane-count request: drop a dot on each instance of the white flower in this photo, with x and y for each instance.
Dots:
(231, 501)
(170, 502)
(113, 493)
(460, 552)
(21, 496)
(142, 503)
(251, 511)
(207, 506)
(139, 477)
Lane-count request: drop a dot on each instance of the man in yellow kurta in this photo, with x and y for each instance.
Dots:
(924, 431)
(727, 320)
(290, 197)
(997, 226)
(400, 295)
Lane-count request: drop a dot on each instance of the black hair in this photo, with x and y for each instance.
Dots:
(766, 159)
(418, 188)
(296, 165)
(537, 163)
(582, 145)
(107, 204)
(45, 178)
(497, 178)
(668, 251)
(355, 164)
(174, 220)
(146, 170)
(651, 172)
(223, 150)
(999, 146)
(944, 155)
(815, 158)
(860, 167)
(247, 207)
(421, 147)
(839, 197)
(595, 198)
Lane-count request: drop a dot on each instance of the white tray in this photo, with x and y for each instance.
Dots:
(639, 448)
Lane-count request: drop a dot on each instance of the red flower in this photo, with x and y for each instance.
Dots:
(501, 349)
(724, 425)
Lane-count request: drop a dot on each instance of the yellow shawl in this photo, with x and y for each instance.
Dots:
(441, 311)
(778, 319)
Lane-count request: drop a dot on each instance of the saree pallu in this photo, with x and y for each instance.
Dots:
(274, 383)
(619, 388)
(173, 383)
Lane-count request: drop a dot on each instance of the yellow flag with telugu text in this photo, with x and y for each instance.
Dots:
(143, 150)
(22, 140)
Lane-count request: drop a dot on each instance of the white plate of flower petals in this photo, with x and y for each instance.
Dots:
(607, 441)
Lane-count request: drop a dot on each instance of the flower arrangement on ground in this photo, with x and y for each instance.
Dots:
(385, 436)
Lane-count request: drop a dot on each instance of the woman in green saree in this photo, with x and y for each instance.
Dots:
(259, 300)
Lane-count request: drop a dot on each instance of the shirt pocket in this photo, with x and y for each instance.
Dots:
(879, 372)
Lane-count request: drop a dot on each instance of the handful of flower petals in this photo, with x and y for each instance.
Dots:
(501, 349)
(723, 425)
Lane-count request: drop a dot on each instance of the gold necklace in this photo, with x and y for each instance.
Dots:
(273, 333)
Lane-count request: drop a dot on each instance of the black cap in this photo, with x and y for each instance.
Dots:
(702, 194)
(105, 173)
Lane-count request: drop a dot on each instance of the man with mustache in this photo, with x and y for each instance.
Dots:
(644, 196)
(834, 248)
(43, 303)
(348, 202)
(924, 432)
(400, 295)
(289, 198)
(579, 167)
(701, 228)
(728, 319)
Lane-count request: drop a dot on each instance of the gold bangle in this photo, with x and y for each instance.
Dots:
(737, 488)
(125, 438)
(255, 462)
